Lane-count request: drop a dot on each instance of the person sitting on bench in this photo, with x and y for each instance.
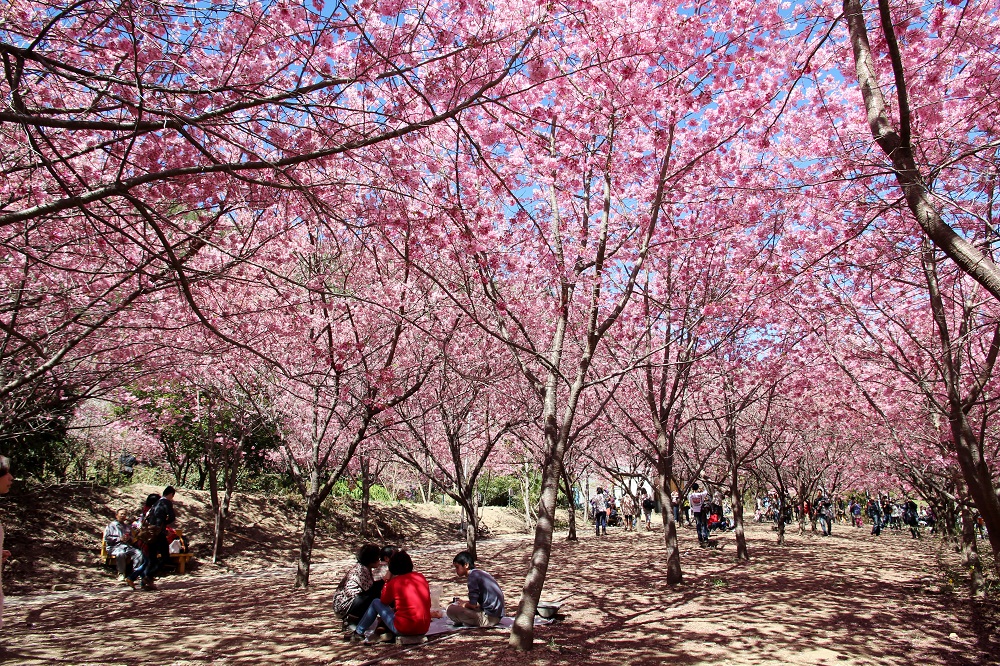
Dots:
(118, 537)
(485, 606)
(358, 587)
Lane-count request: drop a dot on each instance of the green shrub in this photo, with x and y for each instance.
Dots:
(351, 489)
(499, 490)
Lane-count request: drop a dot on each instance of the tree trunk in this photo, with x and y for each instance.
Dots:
(742, 552)
(802, 511)
(970, 553)
(472, 525)
(220, 507)
(946, 522)
(568, 489)
(526, 497)
(781, 521)
(978, 480)
(675, 575)
(366, 494)
(313, 502)
(522, 633)
(217, 512)
(222, 520)
(896, 146)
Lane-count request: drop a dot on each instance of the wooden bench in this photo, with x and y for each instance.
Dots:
(179, 560)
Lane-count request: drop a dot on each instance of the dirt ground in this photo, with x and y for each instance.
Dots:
(848, 599)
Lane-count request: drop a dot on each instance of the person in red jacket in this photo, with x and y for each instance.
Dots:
(405, 606)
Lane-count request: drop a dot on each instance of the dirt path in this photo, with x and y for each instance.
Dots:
(848, 599)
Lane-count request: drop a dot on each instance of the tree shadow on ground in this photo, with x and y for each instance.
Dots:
(849, 599)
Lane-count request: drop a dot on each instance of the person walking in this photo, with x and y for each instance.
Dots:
(875, 513)
(600, 505)
(910, 518)
(648, 505)
(628, 511)
(159, 518)
(697, 499)
(824, 514)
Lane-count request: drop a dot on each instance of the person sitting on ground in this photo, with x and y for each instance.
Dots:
(405, 605)
(714, 522)
(358, 588)
(386, 554)
(485, 606)
(118, 541)
(716, 507)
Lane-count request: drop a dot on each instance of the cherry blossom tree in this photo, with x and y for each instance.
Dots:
(937, 140)
(924, 334)
(139, 137)
(454, 429)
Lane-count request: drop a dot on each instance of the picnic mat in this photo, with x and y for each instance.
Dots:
(443, 625)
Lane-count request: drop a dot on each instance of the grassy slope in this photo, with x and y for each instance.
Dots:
(54, 532)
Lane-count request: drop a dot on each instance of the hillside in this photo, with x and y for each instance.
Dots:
(54, 532)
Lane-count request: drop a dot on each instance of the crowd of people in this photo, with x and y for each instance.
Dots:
(882, 512)
(706, 511)
(383, 591)
(623, 511)
(700, 508)
(141, 545)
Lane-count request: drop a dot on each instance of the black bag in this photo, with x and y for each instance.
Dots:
(648, 504)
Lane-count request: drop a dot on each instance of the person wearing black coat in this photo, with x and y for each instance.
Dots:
(161, 516)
